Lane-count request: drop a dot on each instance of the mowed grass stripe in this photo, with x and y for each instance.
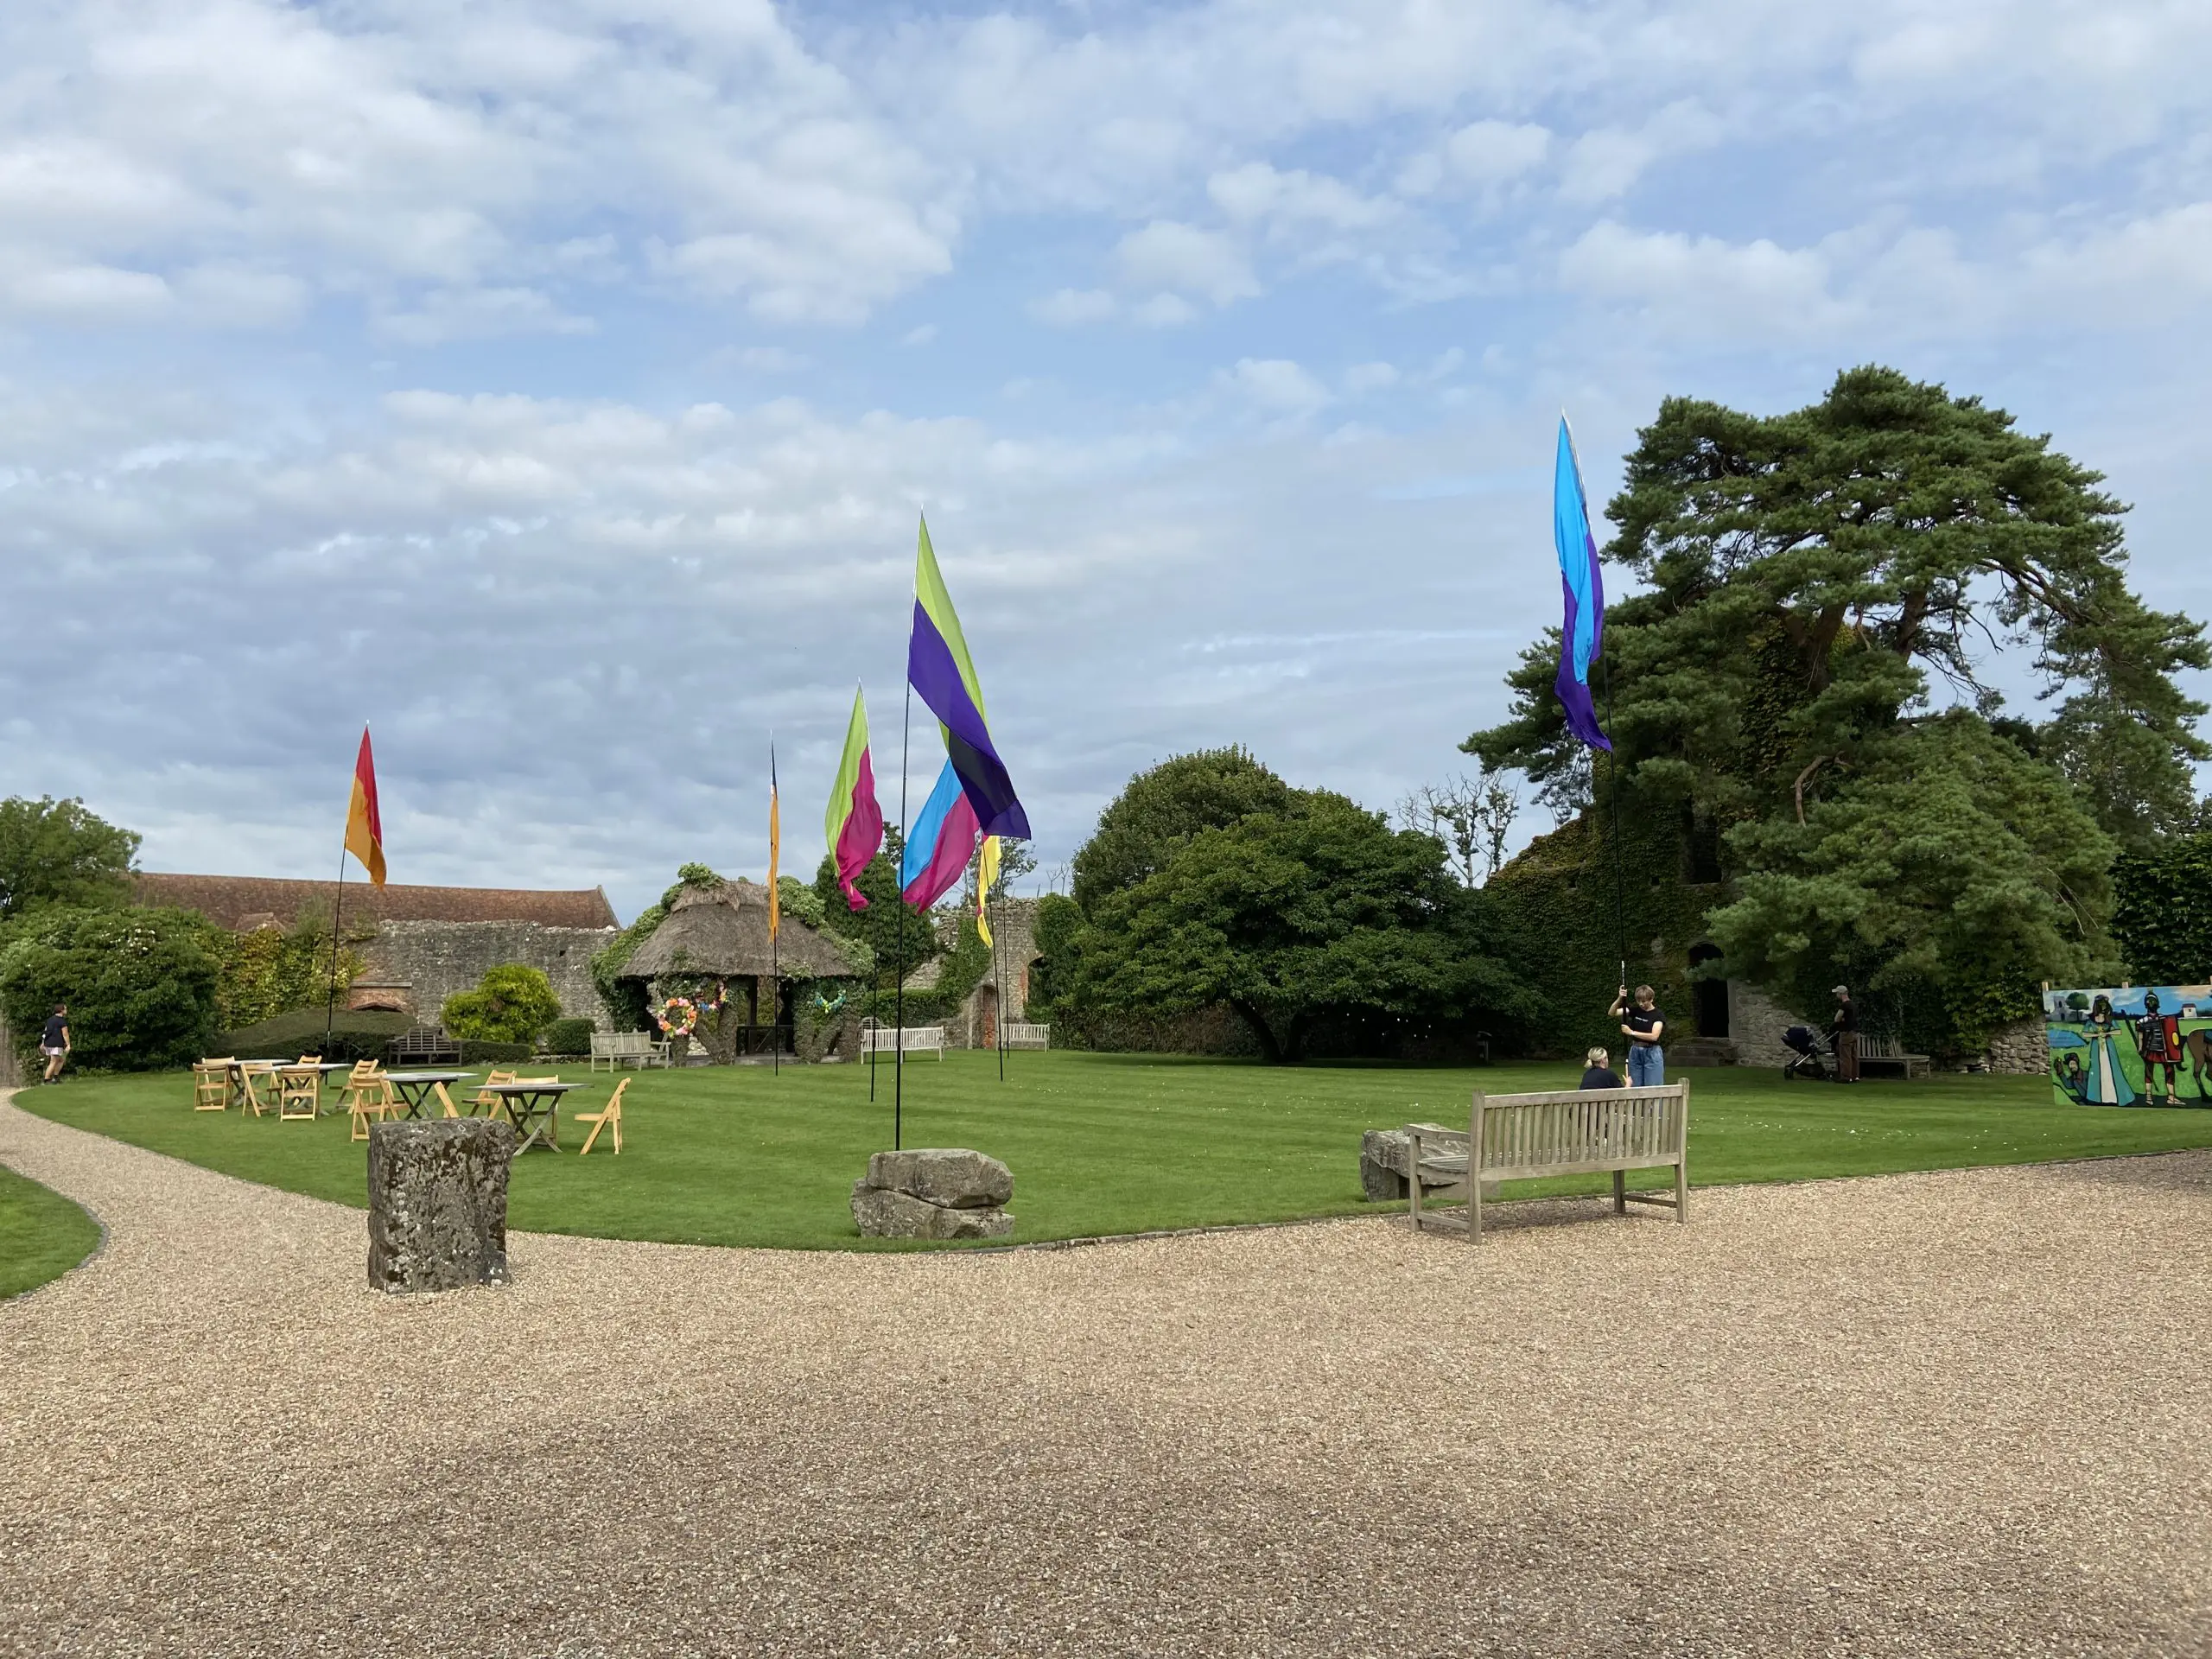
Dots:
(1105, 1143)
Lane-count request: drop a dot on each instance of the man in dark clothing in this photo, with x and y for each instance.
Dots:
(1598, 1070)
(1643, 1028)
(55, 1041)
(1844, 1029)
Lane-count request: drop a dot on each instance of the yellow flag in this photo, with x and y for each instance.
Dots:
(986, 871)
(775, 849)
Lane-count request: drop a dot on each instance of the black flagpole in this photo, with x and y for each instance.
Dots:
(998, 949)
(337, 914)
(775, 960)
(899, 997)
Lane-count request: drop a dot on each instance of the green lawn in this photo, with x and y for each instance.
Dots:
(42, 1235)
(1105, 1143)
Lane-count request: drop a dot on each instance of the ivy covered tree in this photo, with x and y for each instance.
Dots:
(1800, 685)
(896, 948)
(1299, 911)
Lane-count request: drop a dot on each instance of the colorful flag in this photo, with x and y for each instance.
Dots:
(1582, 635)
(939, 668)
(986, 871)
(939, 843)
(363, 827)
(775, 847)
(854, 829)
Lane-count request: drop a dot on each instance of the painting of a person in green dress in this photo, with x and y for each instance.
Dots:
(2108, 1084)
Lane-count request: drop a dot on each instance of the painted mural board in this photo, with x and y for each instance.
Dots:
(2130, 1045)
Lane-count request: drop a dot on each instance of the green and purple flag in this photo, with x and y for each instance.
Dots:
(941, 671)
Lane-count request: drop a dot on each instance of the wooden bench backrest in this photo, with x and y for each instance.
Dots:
(1573, 1131)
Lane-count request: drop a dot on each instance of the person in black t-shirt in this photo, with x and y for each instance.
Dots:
(1643, 1027)
(55, 1041)
(1844, 1029)
(1598, 1070)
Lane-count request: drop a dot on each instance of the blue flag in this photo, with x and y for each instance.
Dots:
(1582, 635)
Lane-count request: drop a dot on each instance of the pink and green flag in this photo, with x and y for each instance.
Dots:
(939, 668)
(854, 827)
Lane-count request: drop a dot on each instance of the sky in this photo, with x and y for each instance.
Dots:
(555, 385)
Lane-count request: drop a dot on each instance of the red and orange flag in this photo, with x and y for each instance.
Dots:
(364, 828)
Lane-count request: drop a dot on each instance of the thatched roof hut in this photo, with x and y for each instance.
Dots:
(723, 931)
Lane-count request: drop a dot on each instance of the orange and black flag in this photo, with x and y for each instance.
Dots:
(364, 828)
(775, 849)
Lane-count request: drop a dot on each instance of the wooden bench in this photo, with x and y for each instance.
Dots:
(425, 1046)
(1563, 1132)
(1020, 1036)
(621, 1048)
(1886, 1050)
(914, 1039)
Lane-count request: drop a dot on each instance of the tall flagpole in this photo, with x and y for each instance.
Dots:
(1612, 775)
(775, 904)
(337, 914)
(899, 968)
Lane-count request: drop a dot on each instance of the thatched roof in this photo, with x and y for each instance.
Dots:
(724, 931)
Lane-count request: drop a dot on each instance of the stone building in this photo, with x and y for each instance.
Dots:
(418, 945)
(1003, 991)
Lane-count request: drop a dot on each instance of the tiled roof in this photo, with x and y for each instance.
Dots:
(237, 901)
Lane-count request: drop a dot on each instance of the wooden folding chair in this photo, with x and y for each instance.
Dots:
(370, 1098)
(484, 1097)
(299, 1093)
(445, 1100)
(211, 1085)
(607, 1116)
(252, 1075)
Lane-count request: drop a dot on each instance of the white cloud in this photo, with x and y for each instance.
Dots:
(1068, 307)
(1604, 162)
(1182, 258)
(773, 359)
(1164, 311)
(479, 313)
(1485, 153)
(921, 335)
(1703, 285)
(1363, 377)
(92, 293)
(1257, 193)
(1278, 385)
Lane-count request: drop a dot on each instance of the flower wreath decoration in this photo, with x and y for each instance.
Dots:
(678, 1015)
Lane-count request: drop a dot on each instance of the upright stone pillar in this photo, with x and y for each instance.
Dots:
(438, 1204)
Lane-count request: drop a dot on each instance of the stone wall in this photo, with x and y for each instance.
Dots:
(2021, 1049)
(436, 959)
(1756, 1022)
(1014, 935)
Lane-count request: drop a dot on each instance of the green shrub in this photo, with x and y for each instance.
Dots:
(568, 1037)
(510, 1004)
(354, 1036)
(140, 984)
(477, 1052)
(268, 972)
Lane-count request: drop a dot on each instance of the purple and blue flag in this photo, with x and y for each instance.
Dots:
(1582, 635)
(939, 668)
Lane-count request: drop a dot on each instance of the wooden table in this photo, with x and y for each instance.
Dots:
(270, 1068)
(414, 1087)
(532, 1108)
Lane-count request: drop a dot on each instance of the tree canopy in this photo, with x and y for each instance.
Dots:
(1803, 684)
(1299, 909)
(60, 852)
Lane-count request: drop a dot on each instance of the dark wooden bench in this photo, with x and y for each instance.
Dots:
(425, 1046)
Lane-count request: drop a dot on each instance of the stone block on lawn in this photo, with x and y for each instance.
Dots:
(1383, 1157)
(952, 1176)
(880, 1212)
(438, 1204)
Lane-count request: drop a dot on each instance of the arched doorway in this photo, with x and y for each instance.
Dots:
(1708, 997)
(987, 1017)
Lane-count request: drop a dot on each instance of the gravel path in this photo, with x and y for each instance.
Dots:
(1964, 1413)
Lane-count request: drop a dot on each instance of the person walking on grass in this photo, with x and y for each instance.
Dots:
(1598, 1070)
(1844, 1029)
(54, 1042)
(1642, 1024)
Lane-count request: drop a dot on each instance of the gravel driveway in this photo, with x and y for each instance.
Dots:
(1964, 1413)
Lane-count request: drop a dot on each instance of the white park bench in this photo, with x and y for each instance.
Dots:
(621, 1048)
(1566, 1132)
(914, 1039)
(1021, 1036)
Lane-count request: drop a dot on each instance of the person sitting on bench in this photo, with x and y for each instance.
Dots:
(1598, 1070)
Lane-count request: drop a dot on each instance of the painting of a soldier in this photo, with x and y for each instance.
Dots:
(2130, 1046)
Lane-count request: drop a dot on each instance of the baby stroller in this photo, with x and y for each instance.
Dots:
(1808, 1055)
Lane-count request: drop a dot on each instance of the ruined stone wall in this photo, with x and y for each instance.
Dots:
(2021, 1049)
(1756, 1022)
(436, 959)
(1013, 934)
